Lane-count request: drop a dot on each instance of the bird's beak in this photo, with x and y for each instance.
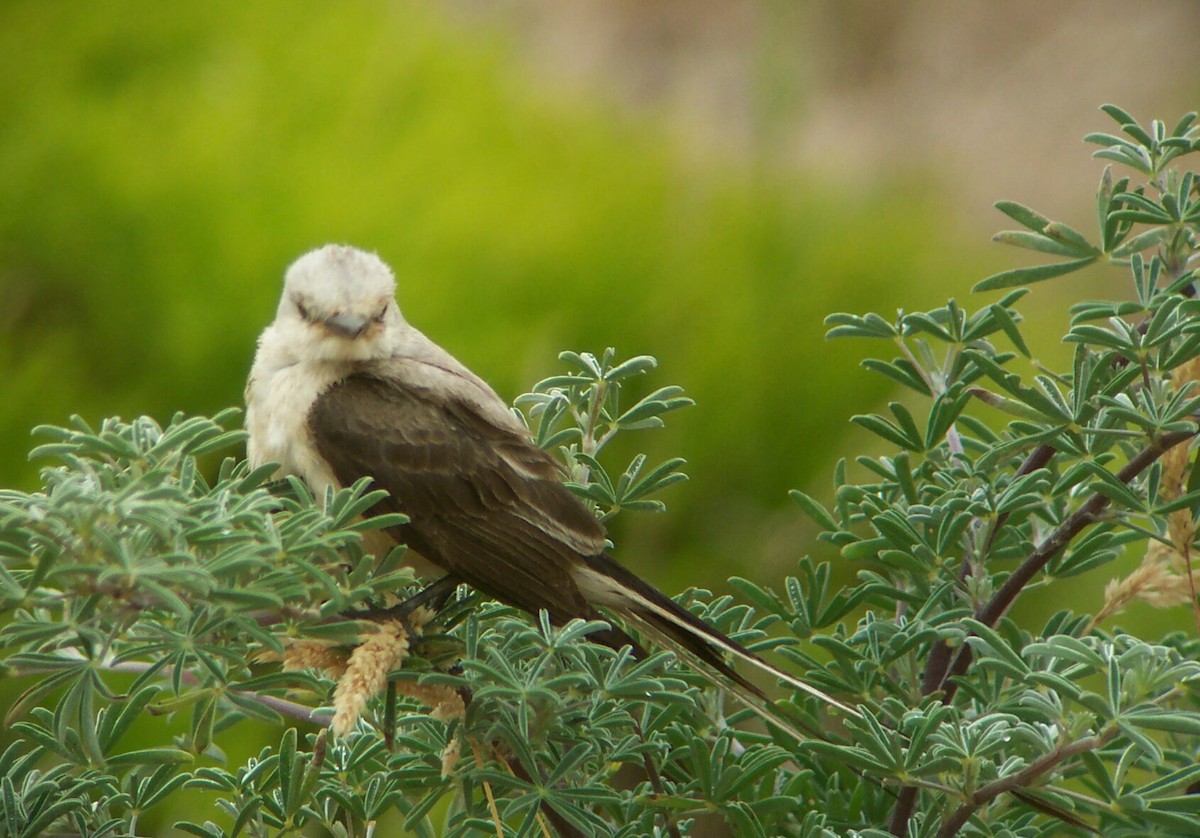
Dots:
(346, 324)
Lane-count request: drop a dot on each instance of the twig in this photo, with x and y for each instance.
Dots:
(940, 656)
(282, 706)
(1085, 515)
(487, 790)
(1023, 778)
(655, 779)
(940, 676)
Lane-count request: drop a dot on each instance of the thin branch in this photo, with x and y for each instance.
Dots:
(282, 706)
(1023, 778)
(937, 674)
(1084, 516)
(656, 782)
(487, 790)
(940, 656)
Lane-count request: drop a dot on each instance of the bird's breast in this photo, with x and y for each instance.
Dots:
(277, 409)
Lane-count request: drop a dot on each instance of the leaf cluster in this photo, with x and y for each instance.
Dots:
(1008, 476)
(135, 590)
(580, 412)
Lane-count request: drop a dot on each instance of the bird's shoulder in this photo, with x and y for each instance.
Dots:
(412, 397)
(427, 439)
(410, 406)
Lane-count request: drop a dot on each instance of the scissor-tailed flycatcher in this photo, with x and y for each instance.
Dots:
(342, 387)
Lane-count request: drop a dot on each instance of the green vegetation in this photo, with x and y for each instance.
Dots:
(140, 594)
(161, 166)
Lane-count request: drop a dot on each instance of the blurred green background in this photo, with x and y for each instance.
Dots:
(699, 181)
(703, 182)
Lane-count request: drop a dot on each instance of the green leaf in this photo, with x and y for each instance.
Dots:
(908, 425)
(1071, 238)
(1148, 746)
(814, 510)
(888, 431)
(1109, 485)
(585, 362)
(119, 717)
(660, 401)
(1139, 133)
(1120, 116)
(1187, 724)
(1038, 273)
(987, 638)
(865, 549)
(36, 693)
(1036, 241)
(900, 371)
(1023, 215)
(850, 325)
(1008, 324)
(1013, 407)
(634, 366)
(1185, 122)
(149, 756)
(945, 411)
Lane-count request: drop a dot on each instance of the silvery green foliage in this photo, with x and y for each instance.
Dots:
(134, 588)
(1002, 481)
(580, 412)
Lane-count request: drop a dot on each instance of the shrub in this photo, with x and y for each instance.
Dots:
(148, 607)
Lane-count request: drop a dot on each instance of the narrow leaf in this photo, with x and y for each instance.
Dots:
(1039, 273)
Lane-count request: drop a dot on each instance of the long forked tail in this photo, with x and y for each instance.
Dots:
(681, 631)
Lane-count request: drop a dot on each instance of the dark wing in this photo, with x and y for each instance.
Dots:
(484, 503)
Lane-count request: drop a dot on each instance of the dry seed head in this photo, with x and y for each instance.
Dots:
(315, 654)
(379, 653)
(450, 755)
(1154, 582)
(1181, 526)
(444, 702)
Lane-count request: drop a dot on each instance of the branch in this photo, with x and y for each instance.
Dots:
(282, 706)
(939, 657)
(938, 672)
(1084, 516)
(655, 779)
(1023, 778)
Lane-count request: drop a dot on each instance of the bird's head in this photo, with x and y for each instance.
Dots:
(338, 305)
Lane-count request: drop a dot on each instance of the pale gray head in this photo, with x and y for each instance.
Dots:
(338, 304)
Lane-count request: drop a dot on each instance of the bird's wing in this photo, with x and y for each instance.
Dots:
(484, 503)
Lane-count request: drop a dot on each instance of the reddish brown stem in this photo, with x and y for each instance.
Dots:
(1085, 515)
(1021, 779)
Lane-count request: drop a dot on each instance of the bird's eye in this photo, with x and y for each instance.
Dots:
(378, 318)
(300, 308)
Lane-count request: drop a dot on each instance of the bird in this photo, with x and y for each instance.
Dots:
(343, 387)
